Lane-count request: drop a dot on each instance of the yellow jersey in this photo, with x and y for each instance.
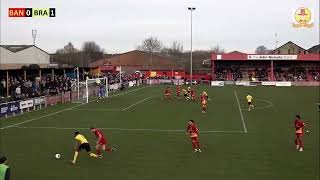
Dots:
(205, 94)
(184, 91)
(249, 98)
(189, 89)
(81, 139)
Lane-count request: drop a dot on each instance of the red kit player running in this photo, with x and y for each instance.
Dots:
(299, 126)
(192, 131)
(167, 93)
(203, 100)
(178, 91)
(193, 95)
(101, 143)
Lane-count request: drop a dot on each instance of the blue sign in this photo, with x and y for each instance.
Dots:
(9, 109)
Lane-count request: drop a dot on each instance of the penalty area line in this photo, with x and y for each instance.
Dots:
(123, 129)
(136, 103)
(68, 109)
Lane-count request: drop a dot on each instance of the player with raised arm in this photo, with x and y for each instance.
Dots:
(250, 101)
(101, 143)
(81, 143)
(299, 131)
(192, 131)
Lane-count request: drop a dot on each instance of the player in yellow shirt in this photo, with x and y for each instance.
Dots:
(189, 93)
(81, 143)
(205, 94)
(185, 94)
(250, 101)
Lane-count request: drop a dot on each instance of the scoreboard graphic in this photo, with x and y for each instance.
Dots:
(32, 12)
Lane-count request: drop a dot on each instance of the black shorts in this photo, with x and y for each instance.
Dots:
(249, 103)
(185, 95)
(85, 146)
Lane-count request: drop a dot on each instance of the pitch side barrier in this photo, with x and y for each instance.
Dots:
(14, 108)
(267, 83)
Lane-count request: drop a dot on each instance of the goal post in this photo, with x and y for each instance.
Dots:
(90, 88)
(97, 87)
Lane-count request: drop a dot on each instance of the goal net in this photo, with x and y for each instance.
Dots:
(90, 89)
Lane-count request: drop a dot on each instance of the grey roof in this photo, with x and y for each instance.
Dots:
(314, 48)
(17, 48)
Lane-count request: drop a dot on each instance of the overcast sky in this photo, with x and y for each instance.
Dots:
(120, 25)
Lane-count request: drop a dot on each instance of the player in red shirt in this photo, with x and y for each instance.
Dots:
(193, 95)
(167, 93)
(192, 131)
(101, 143)
(203, 100)
(299, 126)
(178, 91)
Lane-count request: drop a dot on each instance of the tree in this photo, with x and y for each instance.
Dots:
(217, 50)
(151, 45)
(69, 48)
(91, 51)
(262, 50)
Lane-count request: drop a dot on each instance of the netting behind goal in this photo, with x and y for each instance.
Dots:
(82, 92)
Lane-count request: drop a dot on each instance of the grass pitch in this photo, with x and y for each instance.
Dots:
(149, 135)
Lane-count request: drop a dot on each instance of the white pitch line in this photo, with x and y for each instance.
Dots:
(97, 110)
(136, 103)
(243, 123)
(51, 114)
(125, 129)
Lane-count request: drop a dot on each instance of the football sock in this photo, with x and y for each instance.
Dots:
(76, 153)
(108, 149)
(198, 145)
(193, 145)
(98, 152)
(93, 155)
(300, 143)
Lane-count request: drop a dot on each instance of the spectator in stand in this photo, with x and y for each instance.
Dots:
(18, 92)
(1, 90)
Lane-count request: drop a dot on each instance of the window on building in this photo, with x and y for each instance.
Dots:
(288, 51)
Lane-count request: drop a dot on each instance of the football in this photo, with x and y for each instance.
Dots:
(57, 156)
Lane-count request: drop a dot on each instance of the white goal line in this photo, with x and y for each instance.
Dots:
(121, 129)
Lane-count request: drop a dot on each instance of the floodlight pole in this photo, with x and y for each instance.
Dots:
(34, 35)
(191, 9)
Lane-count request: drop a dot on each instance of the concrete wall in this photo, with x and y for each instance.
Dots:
(32, 55)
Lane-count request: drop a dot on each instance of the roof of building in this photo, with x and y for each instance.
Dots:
(314, 49)
(18, 48)
(289, 42)
(235, 52)
(138, 58)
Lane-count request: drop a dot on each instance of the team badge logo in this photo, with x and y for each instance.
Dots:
(303, 18)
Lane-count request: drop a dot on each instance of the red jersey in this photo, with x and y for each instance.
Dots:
(178, 89)
(167, 91)
(99, 134)
(193, 130)
(203, 99)
(193, 93)
(299, 125)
